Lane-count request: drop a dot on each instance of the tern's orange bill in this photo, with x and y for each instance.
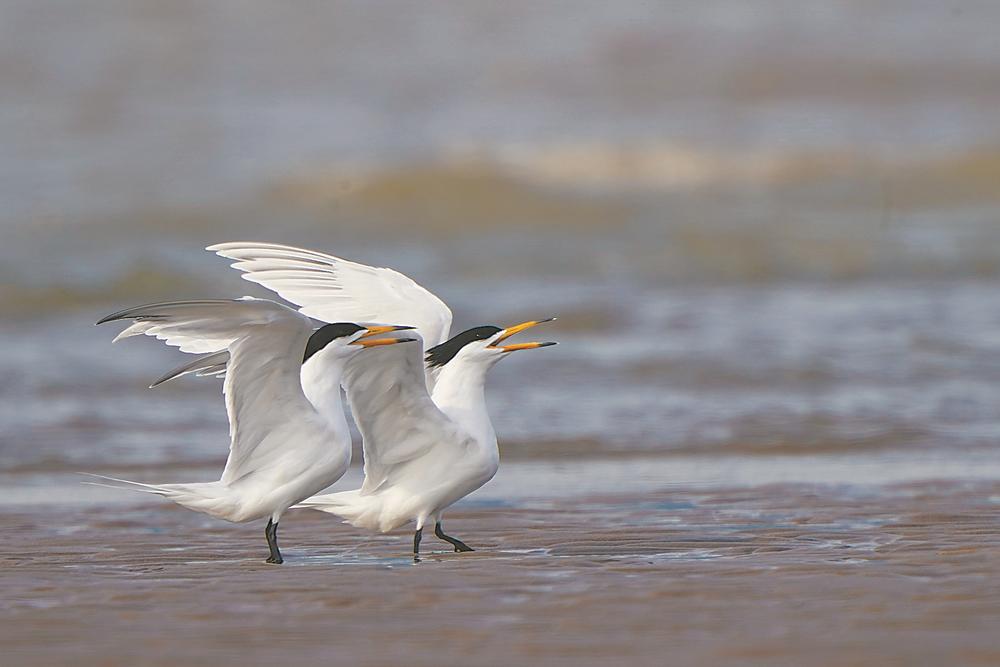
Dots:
(379, 342)
(374, 331)
(518, 328)
(524, 346)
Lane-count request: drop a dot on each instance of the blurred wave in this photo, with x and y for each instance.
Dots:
(766, 227)
(587, 211)
(788, 369)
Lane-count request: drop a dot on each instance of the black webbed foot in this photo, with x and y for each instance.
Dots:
(271, 533)
(459, 545)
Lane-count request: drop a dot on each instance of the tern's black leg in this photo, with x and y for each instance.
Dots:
(458, 544)
(271, 533)
(416, 542)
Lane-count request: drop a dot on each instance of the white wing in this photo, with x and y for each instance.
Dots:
(336, 290)
(200, 330)
(398, 421)
(267, 410)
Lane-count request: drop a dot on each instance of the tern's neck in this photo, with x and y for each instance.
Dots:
(321, 384)
(460, 393)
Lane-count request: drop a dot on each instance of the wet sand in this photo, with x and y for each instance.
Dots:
(774, 575)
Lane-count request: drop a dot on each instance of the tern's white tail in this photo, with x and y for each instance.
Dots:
(358, 510)
(212, 498)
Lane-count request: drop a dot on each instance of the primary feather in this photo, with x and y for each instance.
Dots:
(332, 289)
(281, 449)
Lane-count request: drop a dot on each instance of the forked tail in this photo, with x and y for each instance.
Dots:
(125, 484)
(208, 497)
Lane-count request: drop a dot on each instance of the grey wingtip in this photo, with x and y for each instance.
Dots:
(162, 380)
(117, 315)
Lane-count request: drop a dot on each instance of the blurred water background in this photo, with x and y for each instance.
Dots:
(770, 230)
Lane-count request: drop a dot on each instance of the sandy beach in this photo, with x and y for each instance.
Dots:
(776, 575)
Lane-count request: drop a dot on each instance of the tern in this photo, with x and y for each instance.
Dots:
(423, 452)
(450, 391)
(282, 450)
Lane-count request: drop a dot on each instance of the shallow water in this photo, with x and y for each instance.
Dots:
(766, 370)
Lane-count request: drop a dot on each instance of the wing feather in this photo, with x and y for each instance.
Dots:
(399, 422)
(192, 326)
(264, 341)
(209, 365)
(332, 289)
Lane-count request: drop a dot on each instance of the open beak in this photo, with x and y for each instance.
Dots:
(366, 341)
(518, 328)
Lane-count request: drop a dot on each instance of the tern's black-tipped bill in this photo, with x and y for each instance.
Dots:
(525, 346)
(379, 342)
(375, 330)
(516, 329)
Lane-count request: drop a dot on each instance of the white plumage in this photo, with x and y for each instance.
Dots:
(422, 452)
(332, 289)
(282, 450)
(427, 437)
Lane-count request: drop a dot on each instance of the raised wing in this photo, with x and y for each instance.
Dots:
(265, 341)
(396, 416)
(192, 326)
(332, 289)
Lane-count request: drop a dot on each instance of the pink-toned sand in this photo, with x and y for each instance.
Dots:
(781, 575)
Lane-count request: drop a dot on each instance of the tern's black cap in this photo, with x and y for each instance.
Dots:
(325, 334)
(446, 351)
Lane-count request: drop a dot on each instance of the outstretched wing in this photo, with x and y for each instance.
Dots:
(396, 416)
(265, 341)
(192, 326)
(336, 290)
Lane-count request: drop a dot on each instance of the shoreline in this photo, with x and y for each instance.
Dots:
(562, 479)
